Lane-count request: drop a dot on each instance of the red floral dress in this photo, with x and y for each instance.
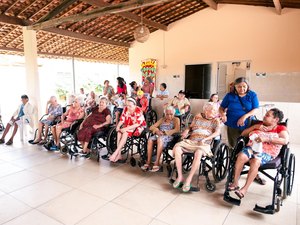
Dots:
(129, 119)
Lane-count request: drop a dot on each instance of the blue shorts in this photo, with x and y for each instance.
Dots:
(264, 157)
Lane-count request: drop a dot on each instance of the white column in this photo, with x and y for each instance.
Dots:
(31, 66)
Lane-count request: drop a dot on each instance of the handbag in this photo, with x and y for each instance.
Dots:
(252, 119)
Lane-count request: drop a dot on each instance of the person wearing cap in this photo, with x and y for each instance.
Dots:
(142, 101)
(96, 121)
(23, 115)
(132, 123)
(180, 103)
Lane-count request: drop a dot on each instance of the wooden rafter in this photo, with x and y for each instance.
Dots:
(130, 16)
(122, 7)
(19, 22)
(86, 37)
(277, 5)
(211, 3)
(58, 55)
(65, 4)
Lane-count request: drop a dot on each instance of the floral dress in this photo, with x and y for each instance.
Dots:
(129, 119)
(165, 138)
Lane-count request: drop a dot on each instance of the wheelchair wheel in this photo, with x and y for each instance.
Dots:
(64, 150)
(220, 162)
(210, 187)
(111, 141)
(151, 117)
(290, 174)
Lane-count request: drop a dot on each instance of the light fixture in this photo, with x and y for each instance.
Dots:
(141, 33)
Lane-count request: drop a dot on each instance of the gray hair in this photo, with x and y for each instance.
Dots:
(170, 108)
(104, 98)
(207, 106)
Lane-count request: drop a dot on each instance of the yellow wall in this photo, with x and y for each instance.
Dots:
(233, 32)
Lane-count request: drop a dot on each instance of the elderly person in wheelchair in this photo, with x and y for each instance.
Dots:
(265, 141)
(204, 127)
(132, 123)
(53, 110)
(96, 121)
(74, 112)
(162, 134)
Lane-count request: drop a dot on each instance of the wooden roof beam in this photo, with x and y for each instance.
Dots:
(63, 55)
(19, 22)
(65, 4)
(278, 7)
(112, 9)
(130, 16)
(84, 37)
(212, 4)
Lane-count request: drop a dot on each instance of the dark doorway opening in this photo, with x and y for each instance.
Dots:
(198, 80)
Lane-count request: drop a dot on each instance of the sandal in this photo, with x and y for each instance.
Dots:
(155, 168)
(239, 194)
(42, 142)
(2, 141)
(177, 184)
(145, 167)
(260, 180)
(186, 188)
(9, 142)
(232, 187)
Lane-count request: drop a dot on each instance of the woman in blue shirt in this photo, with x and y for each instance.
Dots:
(237, 108)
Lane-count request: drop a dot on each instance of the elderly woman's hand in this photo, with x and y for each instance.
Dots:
(159, 133)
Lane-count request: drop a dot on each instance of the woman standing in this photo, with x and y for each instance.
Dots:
(121, 87)
(237, 108)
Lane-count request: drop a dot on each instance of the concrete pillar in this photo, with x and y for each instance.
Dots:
(31, 67)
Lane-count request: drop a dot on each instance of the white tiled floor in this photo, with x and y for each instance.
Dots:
(41, 187)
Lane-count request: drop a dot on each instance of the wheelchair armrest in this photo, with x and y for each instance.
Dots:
(43, 117)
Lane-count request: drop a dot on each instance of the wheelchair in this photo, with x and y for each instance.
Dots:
(218, 164)
(2, 127)
(68, 139)
(138, 143)
(99, 141)
(284, 166)
(55, 121)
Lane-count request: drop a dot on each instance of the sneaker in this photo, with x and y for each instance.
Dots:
(53, 148)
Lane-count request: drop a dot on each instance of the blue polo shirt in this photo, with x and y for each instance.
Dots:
(235, 109)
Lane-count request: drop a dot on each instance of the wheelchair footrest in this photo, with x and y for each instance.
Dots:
(269, 209)
(231, 200)
(105, 157)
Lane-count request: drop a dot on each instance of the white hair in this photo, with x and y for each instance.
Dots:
(170, 108)
(208, 106)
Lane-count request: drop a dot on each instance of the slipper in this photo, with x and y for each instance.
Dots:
(42, 142)
(260, 180)
(239, 194)
(9, 142)
(121, 161)
(2, 141)
(186, 188)
(155, 169)
(177, 184)
(34, 142)
(232, 187)
(145, 167)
